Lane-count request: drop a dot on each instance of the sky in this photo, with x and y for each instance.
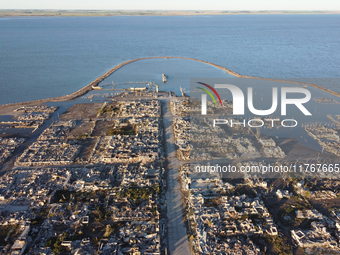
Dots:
(173, 5)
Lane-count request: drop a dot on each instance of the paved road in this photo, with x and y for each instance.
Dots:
(177, 237)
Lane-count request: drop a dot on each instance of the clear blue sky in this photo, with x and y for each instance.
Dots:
(174, 4)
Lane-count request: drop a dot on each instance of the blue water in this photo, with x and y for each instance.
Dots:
(53, 56)
(178, 71)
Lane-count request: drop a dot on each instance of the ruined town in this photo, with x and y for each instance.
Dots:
(126, 176)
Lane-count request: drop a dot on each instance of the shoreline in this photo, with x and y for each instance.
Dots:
(108, 13)
(89, 87)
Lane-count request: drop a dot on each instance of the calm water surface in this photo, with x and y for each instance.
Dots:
(53, 56)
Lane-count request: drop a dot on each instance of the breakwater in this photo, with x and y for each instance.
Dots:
(96, 82)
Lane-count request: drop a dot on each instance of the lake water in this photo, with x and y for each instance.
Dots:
(52, 56)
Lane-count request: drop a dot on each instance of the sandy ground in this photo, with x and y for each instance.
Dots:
(81, 111)
(9, 110)
(102, 127)
(82, 128)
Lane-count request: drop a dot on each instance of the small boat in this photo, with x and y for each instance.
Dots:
(164, 77)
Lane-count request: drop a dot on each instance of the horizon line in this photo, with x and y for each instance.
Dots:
(167, 10)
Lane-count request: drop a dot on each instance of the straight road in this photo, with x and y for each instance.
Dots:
(177, 236)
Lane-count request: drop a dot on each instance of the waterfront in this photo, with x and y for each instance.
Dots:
(114, 169)
(52, 56)
(126, 147)
(109, 169)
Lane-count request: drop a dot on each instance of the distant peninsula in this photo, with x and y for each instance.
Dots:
(84, 13)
